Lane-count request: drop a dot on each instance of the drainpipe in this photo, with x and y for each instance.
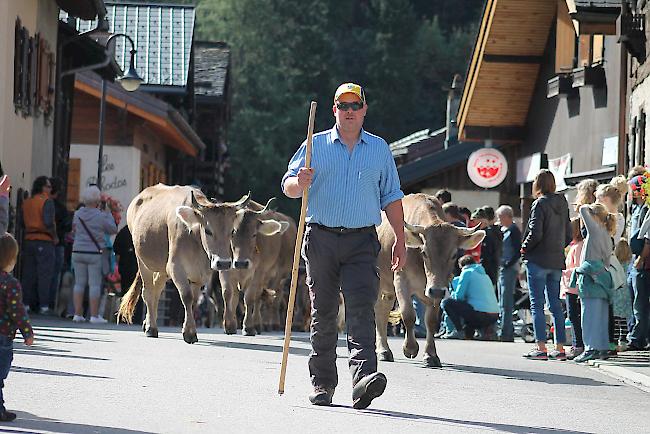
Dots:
(622, 102)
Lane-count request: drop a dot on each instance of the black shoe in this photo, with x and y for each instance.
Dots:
(322, 395)
(7, 416)
(632, 346)
(367, 389)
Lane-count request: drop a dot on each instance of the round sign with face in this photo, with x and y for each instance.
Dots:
(487, 167)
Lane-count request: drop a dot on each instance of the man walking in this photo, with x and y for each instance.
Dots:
(352, 179)
(508, 270)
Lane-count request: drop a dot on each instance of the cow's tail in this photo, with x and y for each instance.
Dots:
(130, 300)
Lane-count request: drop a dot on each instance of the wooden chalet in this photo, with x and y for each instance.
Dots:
(543, 85)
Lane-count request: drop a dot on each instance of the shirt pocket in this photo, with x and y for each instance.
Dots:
(368, 180)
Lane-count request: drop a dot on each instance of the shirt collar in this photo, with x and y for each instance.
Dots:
(334, 135)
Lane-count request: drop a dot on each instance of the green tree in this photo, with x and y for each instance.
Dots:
(288, 52)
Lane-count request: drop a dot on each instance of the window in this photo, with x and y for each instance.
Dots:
(572, 51)
(33, 74)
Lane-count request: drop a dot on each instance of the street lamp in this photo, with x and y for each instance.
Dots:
(130, 82)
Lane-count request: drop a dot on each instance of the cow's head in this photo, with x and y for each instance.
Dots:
(250, 224)
(439, 244)
(212, 223)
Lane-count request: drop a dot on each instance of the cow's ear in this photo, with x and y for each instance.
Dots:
(469, 242)
(270, 227)
(188, 216)
(413, 240)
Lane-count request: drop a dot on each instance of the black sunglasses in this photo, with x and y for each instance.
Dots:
(345, 106)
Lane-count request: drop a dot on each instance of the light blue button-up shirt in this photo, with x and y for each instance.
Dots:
(348, 189)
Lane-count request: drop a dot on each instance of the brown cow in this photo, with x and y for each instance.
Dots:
(179, 234)
(262, 246)
(432, 250)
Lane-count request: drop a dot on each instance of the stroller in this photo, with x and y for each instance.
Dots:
(522, 317)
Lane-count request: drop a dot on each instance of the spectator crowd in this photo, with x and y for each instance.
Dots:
(589, 274)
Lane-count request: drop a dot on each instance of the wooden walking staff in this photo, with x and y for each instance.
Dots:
(296, 254)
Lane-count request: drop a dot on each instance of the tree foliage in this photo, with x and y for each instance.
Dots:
(288, 52)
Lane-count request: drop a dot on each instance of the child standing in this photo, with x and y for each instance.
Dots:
(570, 293)
(12, 314)
(593, 280)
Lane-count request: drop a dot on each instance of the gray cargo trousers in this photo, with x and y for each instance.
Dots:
(347, 262)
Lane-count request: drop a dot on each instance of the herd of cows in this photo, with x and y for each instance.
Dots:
(180, 234)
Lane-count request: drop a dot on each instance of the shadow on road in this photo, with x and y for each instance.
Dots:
(541, 377)
(54, 373)
(447, 421)
(47, 352)
(29, 423)
(257, 347)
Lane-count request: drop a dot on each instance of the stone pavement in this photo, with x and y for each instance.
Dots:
(632, 367)
(111, 379)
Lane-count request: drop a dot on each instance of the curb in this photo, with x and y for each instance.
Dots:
(628, 376)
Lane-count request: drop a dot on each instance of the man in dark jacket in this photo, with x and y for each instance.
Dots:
(491, 245)
(63, 223)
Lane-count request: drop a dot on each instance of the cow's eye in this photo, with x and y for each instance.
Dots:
(233, 232)
(208, 232)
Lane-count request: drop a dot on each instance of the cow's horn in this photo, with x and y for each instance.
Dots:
(414, 228)
(266, 207)
(195, 204)
(469, 231)
(242, 202)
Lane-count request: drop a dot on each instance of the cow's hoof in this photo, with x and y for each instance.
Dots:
(190, 337)
(230, 330)
(411, 351)
(248, 331)
(151, 333)
(144, 327)
(385, 356)
(432, 361)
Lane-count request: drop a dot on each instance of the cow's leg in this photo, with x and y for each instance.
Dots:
(251, 298)
(186, 291)
(384, 305)
(152, 285)
(431, 316)
(230, 295)
(407, 311)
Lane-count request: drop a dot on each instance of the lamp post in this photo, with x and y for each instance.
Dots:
(130, 82)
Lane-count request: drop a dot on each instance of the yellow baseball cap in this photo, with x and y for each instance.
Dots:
(350, 88)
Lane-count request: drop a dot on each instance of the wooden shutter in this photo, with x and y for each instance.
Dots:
(584, 50)
(565, 38)
(598, 49)
(24, 73)
(18, 57)
(74, 183)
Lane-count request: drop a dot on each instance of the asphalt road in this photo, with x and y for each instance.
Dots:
(85, 379)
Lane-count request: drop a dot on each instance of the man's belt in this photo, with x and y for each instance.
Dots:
(342, 230)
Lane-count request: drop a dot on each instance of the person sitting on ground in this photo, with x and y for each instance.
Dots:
(90, 224)
(13, 315)
(473, 304)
